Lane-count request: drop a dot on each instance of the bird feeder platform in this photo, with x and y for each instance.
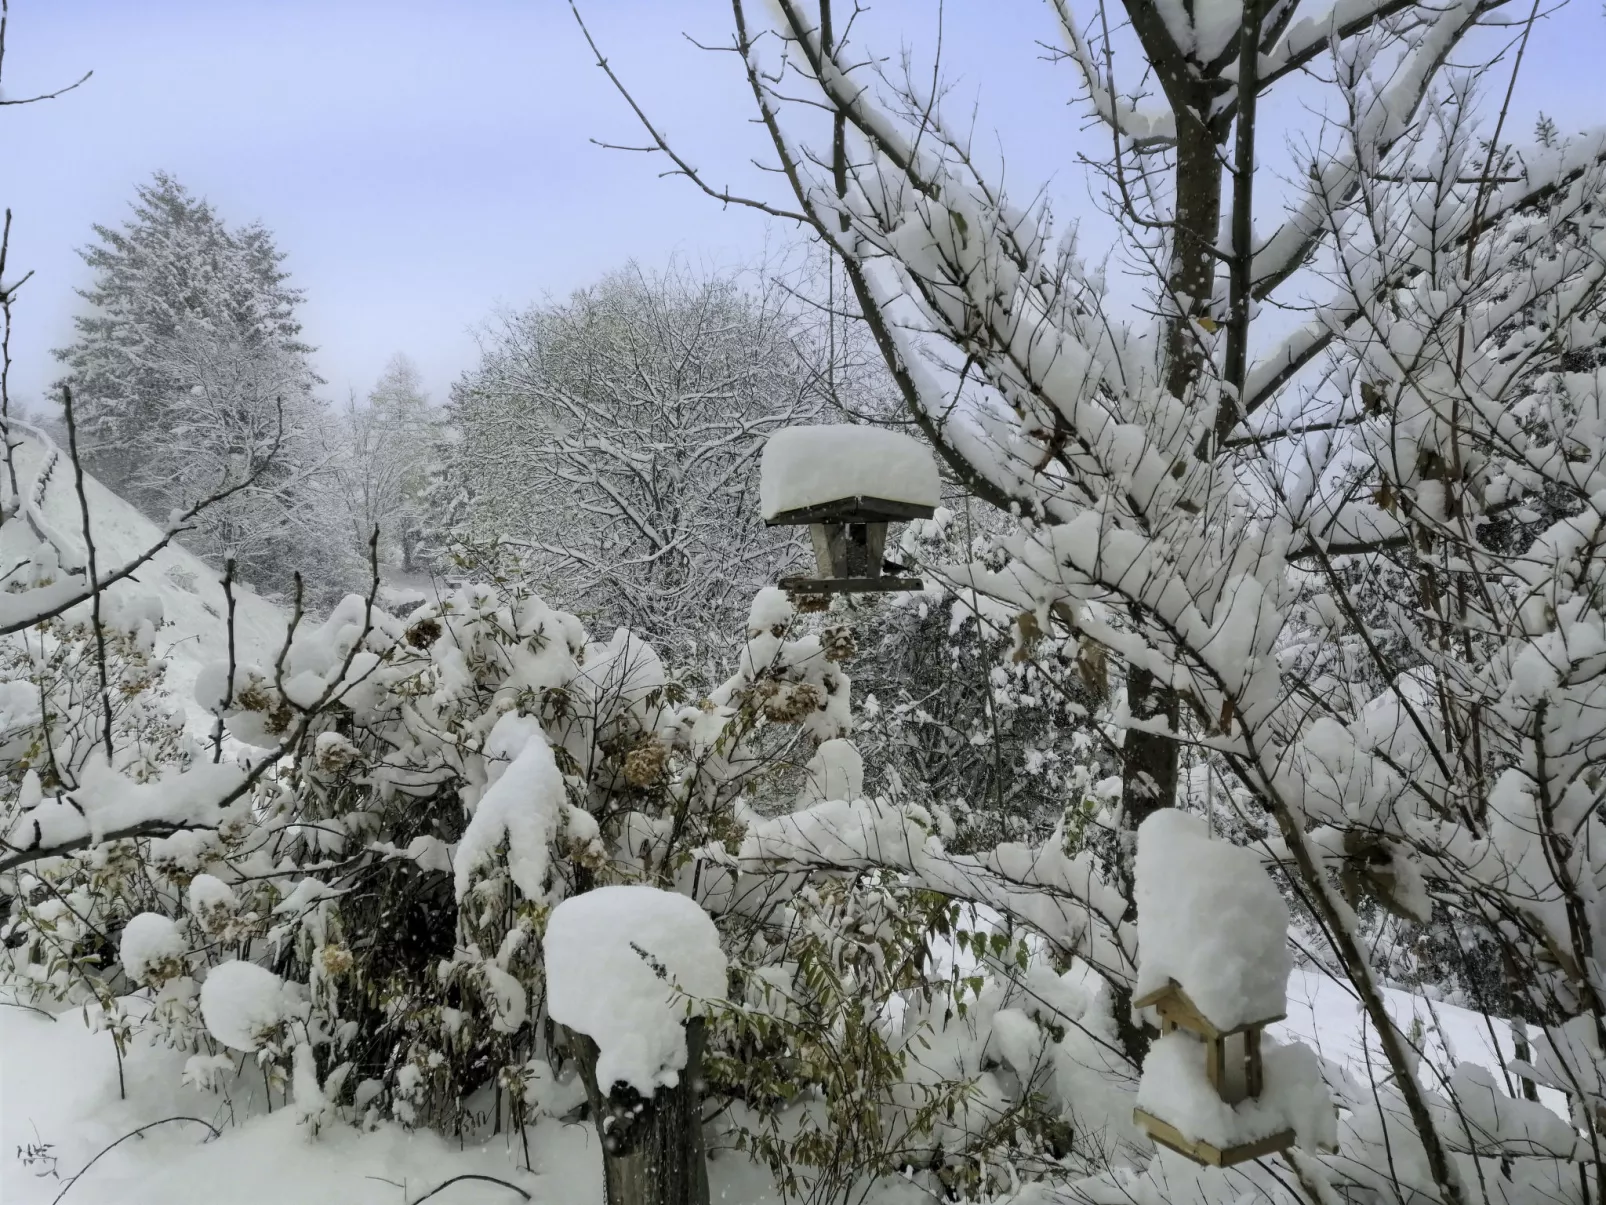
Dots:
(1203, 1152)
(1233, 1065)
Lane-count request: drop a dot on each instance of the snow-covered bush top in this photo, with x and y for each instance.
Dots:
(621, 963)
(809, 466)
(151, 948)
(243, 1003)
(1209, 918)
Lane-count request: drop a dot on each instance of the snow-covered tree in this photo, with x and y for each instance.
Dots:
(1277, 538)
(1197, 486)
(1004, 728)
(611, 443)
(188, 373)
(384, 466)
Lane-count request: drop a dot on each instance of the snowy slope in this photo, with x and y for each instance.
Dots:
(1323, 1012)
(58, 1086)
(191, 592)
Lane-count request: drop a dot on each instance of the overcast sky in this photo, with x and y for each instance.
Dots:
(424, 163)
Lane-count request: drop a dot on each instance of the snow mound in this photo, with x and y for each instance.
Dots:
(620, 962)
(240, 1002)
(1210, 919)
(151, 943)
(809, 466)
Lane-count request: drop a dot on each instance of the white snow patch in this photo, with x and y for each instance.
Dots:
(620, 962)
(1210, 919)
(208, 893)
(149, 940)
(808, 466)
(240, 1002)
(836, 771)
(521, 806)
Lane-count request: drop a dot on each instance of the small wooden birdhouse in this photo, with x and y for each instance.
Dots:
(1232, 1064)
(1212, 934)
(846, 484)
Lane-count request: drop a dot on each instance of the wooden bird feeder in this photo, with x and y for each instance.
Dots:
(1233, 1065)
(846, 484)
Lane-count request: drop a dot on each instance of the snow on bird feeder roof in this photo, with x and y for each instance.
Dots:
(847, 483)
(1210, 921)
(846, 473)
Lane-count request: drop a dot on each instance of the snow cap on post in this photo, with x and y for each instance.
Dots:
(1210, 921)
(626, 966)
(878, 474)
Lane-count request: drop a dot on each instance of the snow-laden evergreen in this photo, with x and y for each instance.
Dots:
(189, 374)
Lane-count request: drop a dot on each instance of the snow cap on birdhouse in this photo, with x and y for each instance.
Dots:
(846, 473)
(846, 483)
(1211, 923)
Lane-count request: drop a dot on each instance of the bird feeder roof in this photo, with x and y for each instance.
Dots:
(1211, 922)
(846, 474)
(1174, 1005)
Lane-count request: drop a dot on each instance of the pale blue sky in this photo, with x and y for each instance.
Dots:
(422, 163)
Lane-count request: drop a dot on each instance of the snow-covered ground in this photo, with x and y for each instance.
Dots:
(59, 1093)
(1323, 1013)
(190, 590)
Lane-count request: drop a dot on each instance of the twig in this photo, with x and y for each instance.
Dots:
(228, 689)
(216, 1133)
(7, 293)
(467, 1176)
(5, 12)
(95, 590)
(33, 1008)
(660, 143)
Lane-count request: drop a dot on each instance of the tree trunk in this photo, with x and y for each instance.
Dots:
(1149, 762)
(652, 1149)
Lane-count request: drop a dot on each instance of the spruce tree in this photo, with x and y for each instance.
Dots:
(189, 373)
